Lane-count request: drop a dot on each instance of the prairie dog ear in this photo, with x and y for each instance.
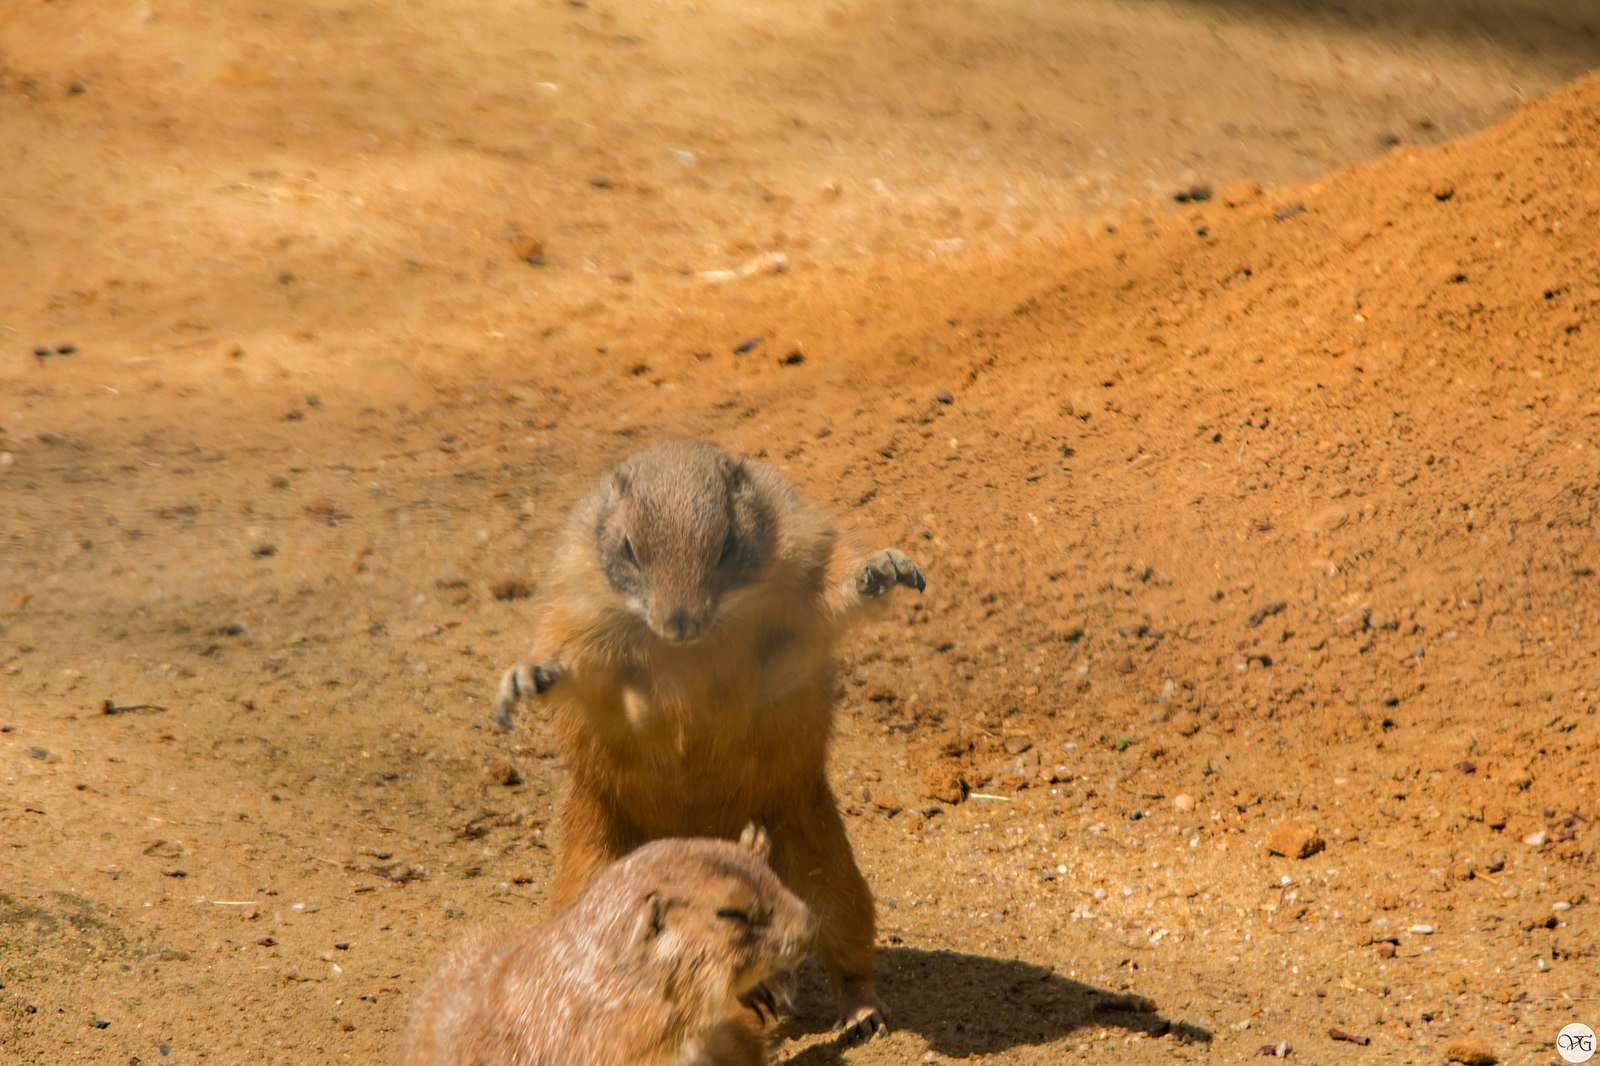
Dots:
(619, 484)
(738, 477)
(755, 839)
(652, 918)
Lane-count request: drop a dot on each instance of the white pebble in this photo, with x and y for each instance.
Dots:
(1422, 930)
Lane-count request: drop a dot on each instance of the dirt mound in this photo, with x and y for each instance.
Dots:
(1252, 699)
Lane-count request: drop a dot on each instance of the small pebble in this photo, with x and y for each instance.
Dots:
(502, 772)
(1183, 801)
(1422, 930)
(944, 397)
(1296, 840)
(66, 349)
(37, 752)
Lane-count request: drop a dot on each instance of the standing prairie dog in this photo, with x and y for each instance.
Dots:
(646, 969)
(685, 650)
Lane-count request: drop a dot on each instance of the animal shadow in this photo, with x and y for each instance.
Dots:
(974, 1005)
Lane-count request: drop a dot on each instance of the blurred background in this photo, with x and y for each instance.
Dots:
(447, 177)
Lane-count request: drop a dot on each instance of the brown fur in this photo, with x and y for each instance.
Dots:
(667, 736)
(645, 969)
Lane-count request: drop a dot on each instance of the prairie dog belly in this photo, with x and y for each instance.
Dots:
(697, 759)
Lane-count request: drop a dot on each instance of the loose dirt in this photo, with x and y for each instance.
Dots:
(1252, 699)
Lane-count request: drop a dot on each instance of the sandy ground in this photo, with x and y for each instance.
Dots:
(1245, 519)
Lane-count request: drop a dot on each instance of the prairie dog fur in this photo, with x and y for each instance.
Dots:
(645, 969)
(684, 643)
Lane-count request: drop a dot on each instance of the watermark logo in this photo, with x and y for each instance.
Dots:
(1575, 1042)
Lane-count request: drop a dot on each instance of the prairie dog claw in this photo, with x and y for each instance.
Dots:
(885, 569)
(519, 681)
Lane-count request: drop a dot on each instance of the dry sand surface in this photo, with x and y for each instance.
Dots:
(1263, 521)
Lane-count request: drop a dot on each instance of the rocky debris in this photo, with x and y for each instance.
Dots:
(503, 772)
(530, 250)
(1295, 840)
(945, 783)
(883, 799)
(1470, 1050)
(510, 587)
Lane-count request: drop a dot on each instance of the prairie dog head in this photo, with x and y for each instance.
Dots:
(709, 920)
(681, 526)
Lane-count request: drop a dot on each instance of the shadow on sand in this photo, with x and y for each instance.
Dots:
(974, 1005)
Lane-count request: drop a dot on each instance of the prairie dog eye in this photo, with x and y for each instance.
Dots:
(730, 547)
(627, 551)
(734, 914)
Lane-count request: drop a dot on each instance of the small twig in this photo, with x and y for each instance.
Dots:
(111, 707)
(1350, 1038)
(988, 796)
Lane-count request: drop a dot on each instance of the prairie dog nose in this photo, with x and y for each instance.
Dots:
(681, 626)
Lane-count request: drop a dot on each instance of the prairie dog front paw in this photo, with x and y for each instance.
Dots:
(885, 569)
(519, 681)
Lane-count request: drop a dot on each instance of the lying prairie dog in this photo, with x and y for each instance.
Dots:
(645, 968)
